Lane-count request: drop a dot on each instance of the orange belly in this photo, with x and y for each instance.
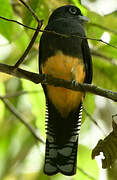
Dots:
(68, 68)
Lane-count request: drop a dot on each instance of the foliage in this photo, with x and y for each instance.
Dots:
(108, 146)
(21, 156)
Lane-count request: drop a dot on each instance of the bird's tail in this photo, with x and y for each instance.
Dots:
(61, 158)
(62, 141)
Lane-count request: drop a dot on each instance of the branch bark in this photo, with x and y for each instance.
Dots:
(47, 79)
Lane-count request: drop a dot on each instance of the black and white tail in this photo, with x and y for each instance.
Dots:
(61, 141)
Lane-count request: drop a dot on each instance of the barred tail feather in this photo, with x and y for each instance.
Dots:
(61, 142)
(61, 159)
(51, 154)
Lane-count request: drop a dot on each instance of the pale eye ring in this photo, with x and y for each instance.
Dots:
(73, 10)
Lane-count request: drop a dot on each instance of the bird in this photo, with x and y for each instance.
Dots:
(64, 53)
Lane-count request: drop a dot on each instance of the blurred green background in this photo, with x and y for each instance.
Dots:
(21, 155)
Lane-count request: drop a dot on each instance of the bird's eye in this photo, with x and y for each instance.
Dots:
(73, 10)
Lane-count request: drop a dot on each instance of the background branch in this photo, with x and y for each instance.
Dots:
(103, 27)
(86, 174)
(31, 10)
(12, 20)
(18, 115)
(93, 120)
(106, 58)
(19, 93)
(29, 46)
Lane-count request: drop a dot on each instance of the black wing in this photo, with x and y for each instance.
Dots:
(87, 61)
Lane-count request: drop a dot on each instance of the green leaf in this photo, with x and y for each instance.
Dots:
(6, 28)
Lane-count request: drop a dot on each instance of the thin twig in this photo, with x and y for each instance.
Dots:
(86, 174)
(18, 115)
(78, 36)
(11, 20)
(47, 79)
(31, 10)
(93, 120)
(29, 47)
(67, 36)
(104, 42)
(62, 35)
(18, 93)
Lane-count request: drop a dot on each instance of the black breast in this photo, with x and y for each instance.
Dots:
(50, 43)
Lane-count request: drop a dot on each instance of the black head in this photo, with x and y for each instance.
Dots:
(67, 11)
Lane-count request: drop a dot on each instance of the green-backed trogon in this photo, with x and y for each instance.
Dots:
(65, 57)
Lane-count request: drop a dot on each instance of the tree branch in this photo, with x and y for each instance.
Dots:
(31, 10)
(93, 120)
(86, 174)
(19, 93)
(18, 115)
(47, 79)
(20, 73)
(12, 20)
